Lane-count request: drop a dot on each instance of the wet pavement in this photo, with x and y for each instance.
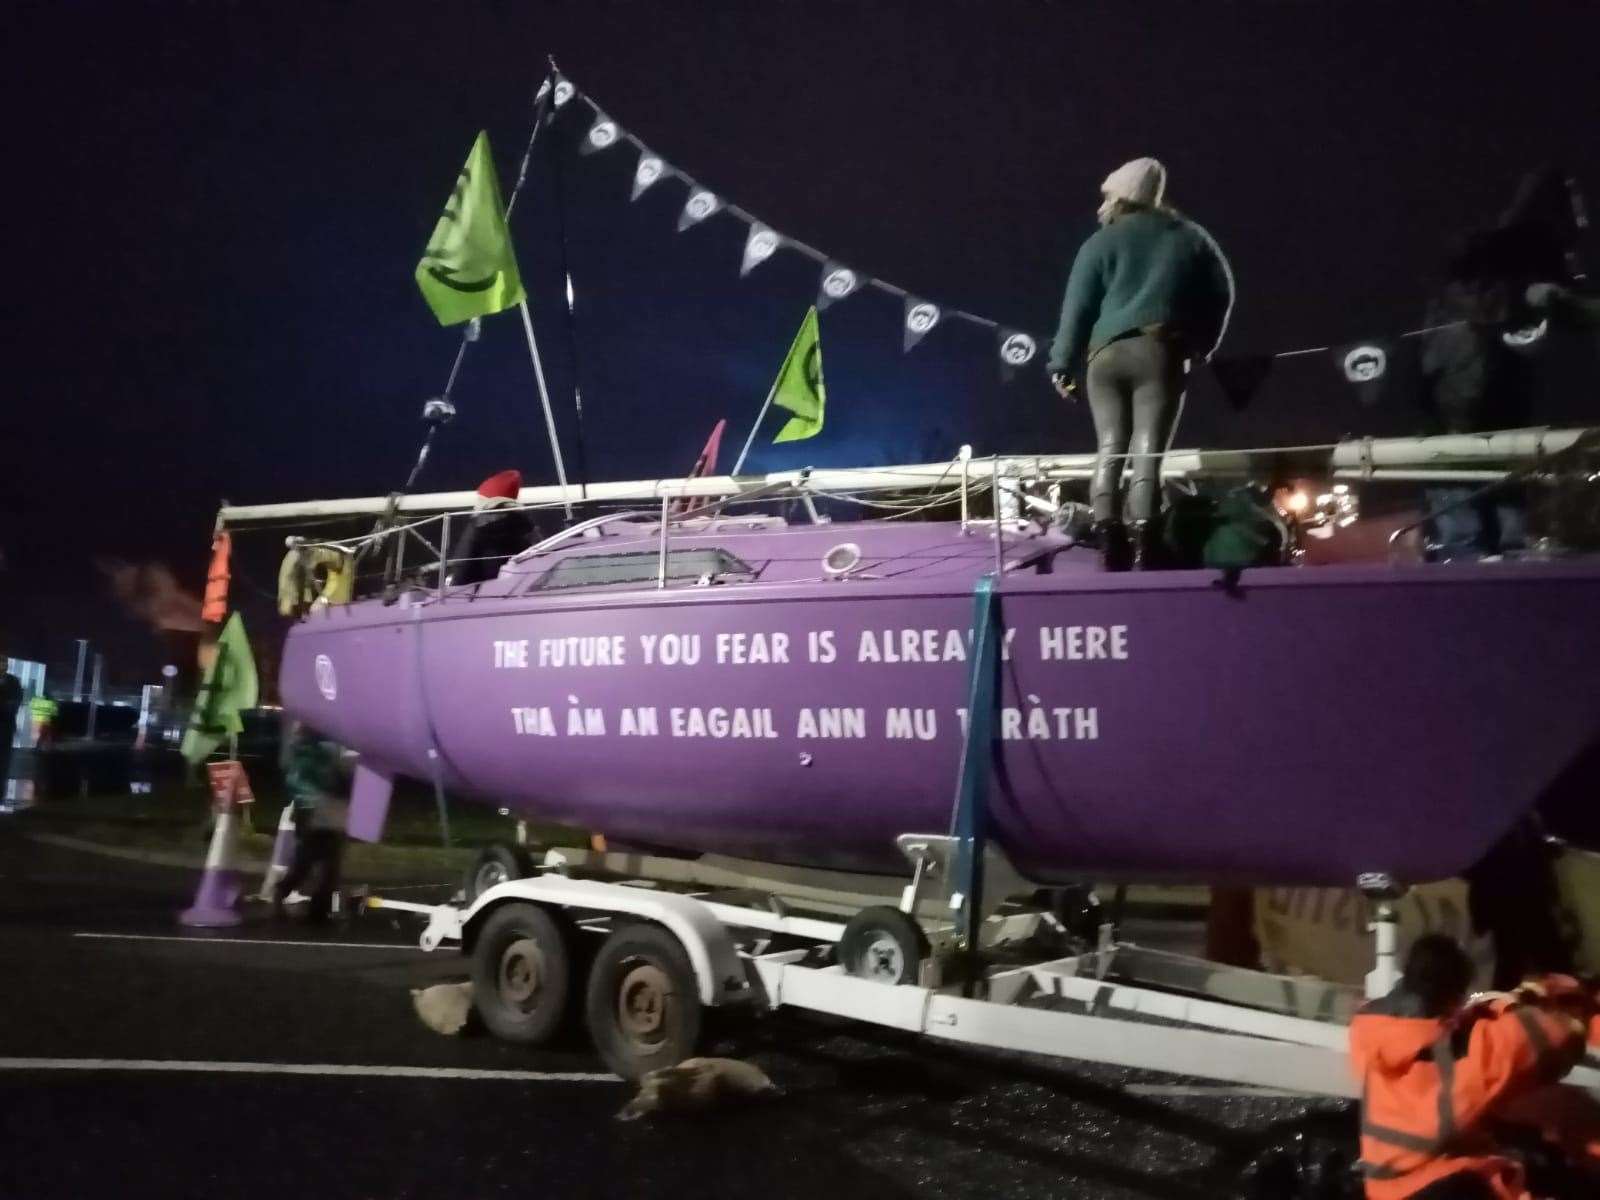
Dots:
(105, 995)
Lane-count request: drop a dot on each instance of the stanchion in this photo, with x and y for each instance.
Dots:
(221, 883)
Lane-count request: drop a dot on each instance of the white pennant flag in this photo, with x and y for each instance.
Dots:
(649, 170)
(602, 135)
(700, 205)
(760, 245)
(838, 281)
(921, 317)
(1364, 363)
(1016, 351)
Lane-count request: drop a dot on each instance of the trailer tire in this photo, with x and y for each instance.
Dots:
(521, 974)
(883, 944)
(643, 1002)
(497, 863)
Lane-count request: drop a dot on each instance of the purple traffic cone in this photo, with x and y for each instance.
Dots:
(221, 882)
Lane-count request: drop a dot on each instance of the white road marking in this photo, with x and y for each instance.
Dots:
(1204, 1089)
(265, 1068)
(205, 941)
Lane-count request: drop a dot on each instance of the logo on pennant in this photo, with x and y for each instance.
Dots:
(564, 91)
(1521, 339)
(700, 205)
(761, 245)
(837, 283)
(1365, 363)
(921, 316)
(1017, 350)
(602, 135)
(647, 172)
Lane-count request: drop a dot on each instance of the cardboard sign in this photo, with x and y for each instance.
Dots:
(1578, 877)
(1323, 931)
(230, 786)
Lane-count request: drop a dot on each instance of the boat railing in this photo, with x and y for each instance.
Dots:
(409, 545)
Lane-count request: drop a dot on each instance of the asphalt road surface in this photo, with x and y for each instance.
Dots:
(137, 1059)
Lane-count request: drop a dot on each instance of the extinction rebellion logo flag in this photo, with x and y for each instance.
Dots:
(469, 268)
(799, 387)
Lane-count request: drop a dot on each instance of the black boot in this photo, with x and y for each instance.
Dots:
(1112, 539)
(1147, 545)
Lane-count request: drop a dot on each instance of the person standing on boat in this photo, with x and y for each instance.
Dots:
(499, 530)
(1491, 314)
(1148, 292)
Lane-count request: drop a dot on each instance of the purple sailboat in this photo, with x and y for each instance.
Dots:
(795, 693)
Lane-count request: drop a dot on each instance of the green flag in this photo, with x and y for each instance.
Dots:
(798, 387)
(469, 268)
(230, 685)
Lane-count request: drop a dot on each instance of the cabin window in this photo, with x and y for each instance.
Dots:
(689, 565)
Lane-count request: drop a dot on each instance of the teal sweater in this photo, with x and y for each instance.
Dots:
(1145, 268)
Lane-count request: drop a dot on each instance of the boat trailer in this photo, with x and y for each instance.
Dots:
(666, 957)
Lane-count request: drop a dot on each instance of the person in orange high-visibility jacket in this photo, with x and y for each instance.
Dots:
(1437, 1078)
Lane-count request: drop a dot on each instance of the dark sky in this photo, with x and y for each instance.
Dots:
(219, 207)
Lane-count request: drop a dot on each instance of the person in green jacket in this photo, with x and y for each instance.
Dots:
(1149, 291)
(313, 779)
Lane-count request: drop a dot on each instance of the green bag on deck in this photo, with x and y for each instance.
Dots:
(1239, 528)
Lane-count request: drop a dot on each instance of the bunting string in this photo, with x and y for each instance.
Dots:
(1362, 363)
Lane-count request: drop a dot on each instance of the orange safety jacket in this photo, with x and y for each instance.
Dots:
(214, 607)
(1429, 1084)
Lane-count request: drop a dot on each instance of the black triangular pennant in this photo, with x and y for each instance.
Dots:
(1240, 377)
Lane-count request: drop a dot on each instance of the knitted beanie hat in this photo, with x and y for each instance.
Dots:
(1141, 181)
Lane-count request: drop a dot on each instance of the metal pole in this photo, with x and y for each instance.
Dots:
(439, 800)
(559, 194)
(661, 565)
(77, 678)
(750, 441)
(473, 328)
(94, 693)
(965, 454)
(544, 399)
(444, 554)
(999, 542)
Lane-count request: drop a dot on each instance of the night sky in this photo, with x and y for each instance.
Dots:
(219, 207)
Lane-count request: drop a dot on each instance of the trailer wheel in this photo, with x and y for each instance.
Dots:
(498, 863)
(643, 1003)
(882, 944)
(521, 974)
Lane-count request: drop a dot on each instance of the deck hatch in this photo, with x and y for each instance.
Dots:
(601, 570)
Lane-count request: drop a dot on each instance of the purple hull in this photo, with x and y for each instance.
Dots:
(1302, 728)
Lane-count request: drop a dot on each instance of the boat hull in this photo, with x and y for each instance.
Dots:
(1299, 727)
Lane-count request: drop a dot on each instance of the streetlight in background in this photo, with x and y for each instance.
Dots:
(94, 693)
(77, 678)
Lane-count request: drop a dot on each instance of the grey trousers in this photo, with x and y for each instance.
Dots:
(1134, 386)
